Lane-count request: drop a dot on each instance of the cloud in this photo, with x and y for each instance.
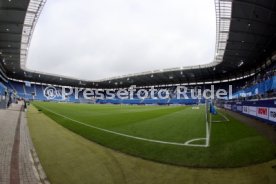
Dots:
(91, 39)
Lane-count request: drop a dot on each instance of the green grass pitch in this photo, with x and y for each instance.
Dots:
(148, 131)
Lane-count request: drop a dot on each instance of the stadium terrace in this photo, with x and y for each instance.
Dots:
(181, 92)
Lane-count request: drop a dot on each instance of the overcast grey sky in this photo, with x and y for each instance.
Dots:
(96, 39)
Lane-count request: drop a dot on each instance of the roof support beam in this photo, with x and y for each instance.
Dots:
(240, 49)
(14, 23)
(232, 41)
(13, 9)
(9, 33)
(248, 33)
(255, 4)
(9, 48)
(11, 23)
(248, 20)
(9, 41)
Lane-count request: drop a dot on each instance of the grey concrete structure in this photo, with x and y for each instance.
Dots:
(19, 163)
(3, 101)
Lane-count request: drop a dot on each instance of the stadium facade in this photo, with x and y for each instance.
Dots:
(213, 142)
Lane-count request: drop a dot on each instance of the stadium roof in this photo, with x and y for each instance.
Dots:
(245, 40)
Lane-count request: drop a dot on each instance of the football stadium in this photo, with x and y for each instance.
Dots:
(103, 122)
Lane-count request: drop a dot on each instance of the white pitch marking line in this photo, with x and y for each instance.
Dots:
(192, 140)
(121, 134)
(226, 119)
(224, 116)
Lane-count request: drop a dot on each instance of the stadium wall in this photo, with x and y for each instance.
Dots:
(264, 110)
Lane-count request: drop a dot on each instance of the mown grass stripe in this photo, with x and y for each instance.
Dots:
(124, 135)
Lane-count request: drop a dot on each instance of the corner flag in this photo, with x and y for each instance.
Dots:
(213, 109)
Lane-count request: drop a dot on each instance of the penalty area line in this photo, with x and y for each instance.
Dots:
(125, 135)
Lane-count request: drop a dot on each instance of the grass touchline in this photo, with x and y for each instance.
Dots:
(187, 143)
(164, 133)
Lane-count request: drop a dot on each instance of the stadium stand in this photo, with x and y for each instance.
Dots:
(244, 59)
(3, 94)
